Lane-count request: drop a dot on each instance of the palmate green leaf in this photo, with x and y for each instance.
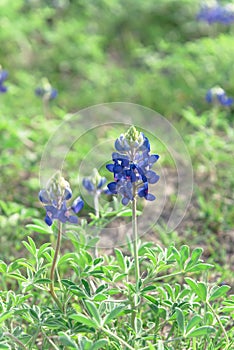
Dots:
(151, 299)
(176, 255)
(199, 288)
(99, 344)
(34, 314)
(40, 229)
(180, 319)
(193, 322)
(100, 297)
(93, 311)
(17, 276)
(199, 267)
(195, 256)
(201, 331)
(113, 314)
(65, 258)
(219, 292)
(148, 288)
(5, 315)
(202, 290)
(120, 259)
(42, 281)
(67, 283)
(66, 340)
(3, 266)
(43, 248)
(31, 246)
(84, 320)
(4, 347)
(86, 287)
(184, 253)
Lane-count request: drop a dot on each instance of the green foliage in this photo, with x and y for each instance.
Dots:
(97, 306)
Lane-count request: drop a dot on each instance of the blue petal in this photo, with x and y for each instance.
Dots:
(39, 91)
(3, 75)
(150, 197)
(67, 194)
(62, 216)
(152, 177)
(73, 219)
(141, 192)
(101, 182)
(44, 196)
(77, 205)
(209, 96)
(110, 167)
(88, 185)
(118, 146)
(125, 201)
(52, 210)
(117, 168)
(3, 89)
(112, 187)
(48, 220)
(53, 94)
(153, 158)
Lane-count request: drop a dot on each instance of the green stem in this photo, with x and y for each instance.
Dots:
(194, 343)
(136, 257)
(53, 267)
(16, 340)
(96, 205)
(50, 341)
(107, 331)
(166, 276)
(220, 323)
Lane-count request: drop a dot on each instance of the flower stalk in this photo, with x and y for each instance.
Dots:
(135, 252)
(132, 170)
(54, 265)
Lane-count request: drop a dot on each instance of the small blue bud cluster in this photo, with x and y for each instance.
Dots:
(46, 91)
(215, 13)
(3, 77)
(132, 165)
(94, 183)
(54, 198)
(218, 95)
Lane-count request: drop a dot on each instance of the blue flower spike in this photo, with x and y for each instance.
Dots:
(132, 164)
(3, 77)
(54, 198)
(218, 96)
(216, 13)
(46, 91)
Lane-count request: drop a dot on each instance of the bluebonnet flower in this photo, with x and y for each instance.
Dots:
(218, 95)
(132, 165)
(216, 13)
(46, 90)
(94, 183)
(3, 77)
(54, 198)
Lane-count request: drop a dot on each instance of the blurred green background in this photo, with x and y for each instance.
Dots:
(153, 53)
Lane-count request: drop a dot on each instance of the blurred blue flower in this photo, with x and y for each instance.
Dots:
(132, 164)
(216, 13)
(94, 183)
(3, 77)
(217, 95)
(46, 91)
(54, 198)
